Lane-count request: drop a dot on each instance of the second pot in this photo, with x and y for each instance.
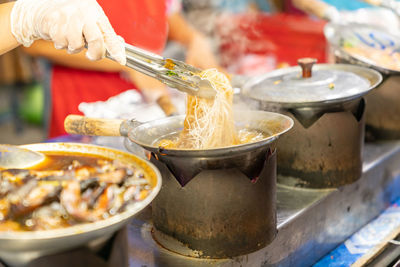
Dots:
(324, 148)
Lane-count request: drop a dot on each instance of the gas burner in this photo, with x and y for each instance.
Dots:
(173, 245)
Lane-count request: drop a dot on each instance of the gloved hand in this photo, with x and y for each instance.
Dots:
(69, 24)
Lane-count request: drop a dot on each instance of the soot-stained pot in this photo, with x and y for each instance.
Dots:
(215, 203)
(383, 104)
(324, 148)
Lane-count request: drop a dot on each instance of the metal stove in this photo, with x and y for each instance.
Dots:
(311, 222)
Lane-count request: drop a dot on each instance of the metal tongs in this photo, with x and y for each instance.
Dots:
(174, 73)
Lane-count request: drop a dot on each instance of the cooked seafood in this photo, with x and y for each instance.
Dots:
(66, 190)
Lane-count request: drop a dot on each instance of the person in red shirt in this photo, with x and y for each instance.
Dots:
(143, 23)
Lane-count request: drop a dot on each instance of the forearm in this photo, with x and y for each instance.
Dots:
(199, 51)
(154, 91)
(61, 57)
(151, 88)
(180, 30)
(7, 40)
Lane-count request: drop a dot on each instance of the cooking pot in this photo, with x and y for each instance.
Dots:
(18, 247)
(325, 101)
(383, 109)
(214, 203)
(148, 134)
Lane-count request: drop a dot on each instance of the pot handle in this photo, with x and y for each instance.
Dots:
(77, 124)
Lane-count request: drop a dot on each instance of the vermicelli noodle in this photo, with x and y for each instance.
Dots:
(209, 123)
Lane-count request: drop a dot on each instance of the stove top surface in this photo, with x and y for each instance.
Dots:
(311, 222)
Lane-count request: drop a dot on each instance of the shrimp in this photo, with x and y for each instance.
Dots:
(79, 208)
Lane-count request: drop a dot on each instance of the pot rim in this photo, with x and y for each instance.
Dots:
(287, 124)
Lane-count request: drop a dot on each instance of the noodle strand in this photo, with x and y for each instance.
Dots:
(209, 123)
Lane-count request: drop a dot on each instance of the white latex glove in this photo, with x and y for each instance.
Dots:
(69, 24)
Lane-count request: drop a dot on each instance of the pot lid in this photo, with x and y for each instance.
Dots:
(312, 86)
(357, 43)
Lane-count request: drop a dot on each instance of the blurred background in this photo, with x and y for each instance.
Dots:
(248, 37)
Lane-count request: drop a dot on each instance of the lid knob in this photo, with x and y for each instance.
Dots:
(306, 66)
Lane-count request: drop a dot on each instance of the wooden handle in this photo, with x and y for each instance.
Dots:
(313, 7)
(166, 105)
(76, 124)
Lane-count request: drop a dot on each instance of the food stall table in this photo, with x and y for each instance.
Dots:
(311, 222)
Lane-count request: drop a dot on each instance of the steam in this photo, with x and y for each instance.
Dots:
(229, 33)
(232, 35)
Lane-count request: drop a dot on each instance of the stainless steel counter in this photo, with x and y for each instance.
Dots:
(310, 222)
